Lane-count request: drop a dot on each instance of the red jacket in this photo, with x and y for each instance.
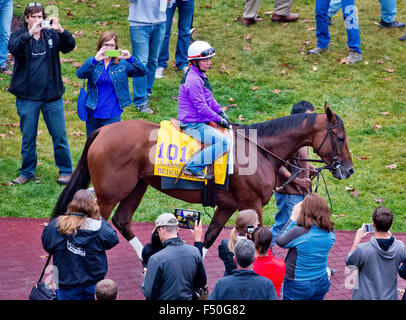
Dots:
(271, 268)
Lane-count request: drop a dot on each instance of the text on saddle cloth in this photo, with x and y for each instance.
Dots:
(174, 148)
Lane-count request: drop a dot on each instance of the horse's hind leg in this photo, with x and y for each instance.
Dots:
(123, 215)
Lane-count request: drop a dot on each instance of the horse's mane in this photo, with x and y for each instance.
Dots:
(277, 126)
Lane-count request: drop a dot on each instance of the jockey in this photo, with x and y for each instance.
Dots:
(197, 107)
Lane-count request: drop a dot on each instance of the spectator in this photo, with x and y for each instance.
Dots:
(388, 13)
(281, 11)
(78, 242)
(244, 219)
(37, 84)
(244, 283)
(351, 24)
(6, 15)
(250, 13)
(176, 271)
(294, 192)
(106, 289)
(378, 260)
(185, 18)
(197, 107)
(108, 91)
(147, 31)
(266, 264)
(309, 236)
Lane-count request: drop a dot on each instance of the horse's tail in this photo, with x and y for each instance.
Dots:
(80, 179)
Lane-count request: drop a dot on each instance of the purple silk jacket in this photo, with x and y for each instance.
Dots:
(196, 102)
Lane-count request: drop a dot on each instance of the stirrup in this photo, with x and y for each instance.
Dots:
(199, 175)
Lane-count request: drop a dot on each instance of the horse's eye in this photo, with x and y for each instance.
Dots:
(341, 139)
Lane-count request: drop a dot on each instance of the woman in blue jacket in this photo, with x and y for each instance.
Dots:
(309, 236)
(108, 91)
(78, 242)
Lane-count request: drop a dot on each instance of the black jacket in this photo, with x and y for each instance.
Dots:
(19, 46)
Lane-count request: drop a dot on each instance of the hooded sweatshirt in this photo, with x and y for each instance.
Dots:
(81, 258)
(378, 264)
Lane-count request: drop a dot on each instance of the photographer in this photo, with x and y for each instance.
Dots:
(177, 270)
(378, 260)
(37, 84)
(245, 218)
(107, 74)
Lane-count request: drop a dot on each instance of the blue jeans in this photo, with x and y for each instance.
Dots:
(77, 293)
(351, 24)
(388, 10)
(335, 6)
(54, 117)
(93, 124)
(146, 44)
(314, 289)
(216, 144)
(285, 204)
(6, 14)
(185, 11)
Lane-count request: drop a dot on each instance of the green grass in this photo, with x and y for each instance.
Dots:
(358, 93)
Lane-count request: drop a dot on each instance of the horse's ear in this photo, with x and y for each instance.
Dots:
(330, 115)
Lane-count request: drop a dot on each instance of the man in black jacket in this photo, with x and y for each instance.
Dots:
(177, 270)
(37, 84)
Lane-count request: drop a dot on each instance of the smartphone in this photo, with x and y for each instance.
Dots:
(368, 227)
(46, 24)
(113, 53)
(250, 232)
(187, 218)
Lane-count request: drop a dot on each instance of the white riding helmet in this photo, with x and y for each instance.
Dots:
(200, 50)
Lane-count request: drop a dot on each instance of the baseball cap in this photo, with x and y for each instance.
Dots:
(165, 219)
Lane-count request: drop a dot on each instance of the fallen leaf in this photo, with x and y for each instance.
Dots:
(285, 24)
(240, 118)
(355, 193)
(311, 29)
(77, 133)
(344, 61)
(387, 58)
(387, 79)
(254, 88)
(248, 48)
(116, 5)
(362, 158)
(315, 68)
(376, 127)
(379, 200)
(230, 99)
(268, 13)
(175, 98)
(305, 20)
(223, 69)
(389, 70)
(380, 62)
(78, 34)
(307, 42)
(248, 37)
(349, 189)
(283, 72)
(366, 62)
(392, 166)
(77, 64)
(39, 132)
(385, 113)
(276, 91)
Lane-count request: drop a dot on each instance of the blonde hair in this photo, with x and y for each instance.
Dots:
(82, 206)
(244, 219)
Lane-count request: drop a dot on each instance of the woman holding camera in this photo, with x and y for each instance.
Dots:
(309, 236)
(78, 242)
(245, 224)
(107, 74)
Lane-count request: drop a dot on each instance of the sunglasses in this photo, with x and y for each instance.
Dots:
(35, 4)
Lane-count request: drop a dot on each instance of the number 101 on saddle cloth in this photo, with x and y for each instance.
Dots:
(174, 148)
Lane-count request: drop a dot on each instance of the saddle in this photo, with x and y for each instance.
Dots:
(174, 148)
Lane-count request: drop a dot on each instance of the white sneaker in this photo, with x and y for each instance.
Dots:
(159, 73)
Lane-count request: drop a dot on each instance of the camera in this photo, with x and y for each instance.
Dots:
(46, 24)
(250, 232)
(368, 227)
(187, 218)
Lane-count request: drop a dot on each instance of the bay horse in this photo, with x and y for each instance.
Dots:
(117, 160)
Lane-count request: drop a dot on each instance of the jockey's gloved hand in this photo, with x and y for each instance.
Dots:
(224, 116)
(224, 123)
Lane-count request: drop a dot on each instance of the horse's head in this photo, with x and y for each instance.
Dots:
(331, 144)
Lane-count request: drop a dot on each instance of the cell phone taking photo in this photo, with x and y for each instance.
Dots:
(113, 53)
(368, 227)
(46, 24)
(187, 218)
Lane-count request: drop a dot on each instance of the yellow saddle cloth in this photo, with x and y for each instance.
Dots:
(173, 150)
